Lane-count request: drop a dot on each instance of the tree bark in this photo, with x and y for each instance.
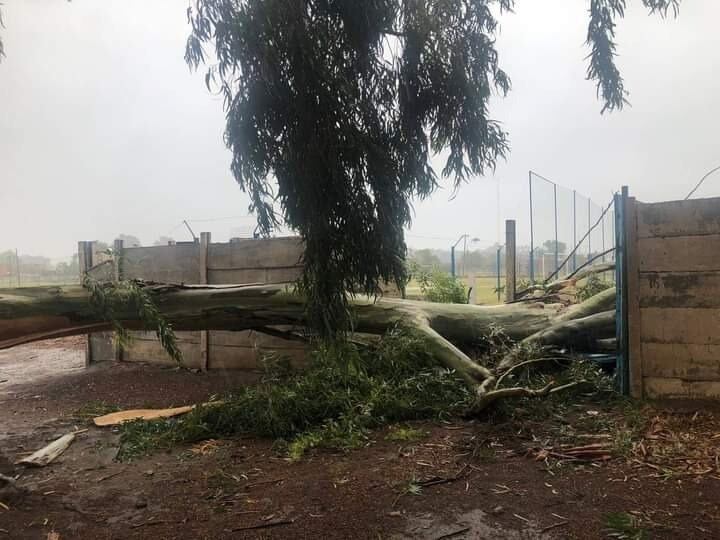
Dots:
(31, 314)
(35, 313)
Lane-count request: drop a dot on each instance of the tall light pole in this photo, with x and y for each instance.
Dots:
(452, 250)
(452, 253)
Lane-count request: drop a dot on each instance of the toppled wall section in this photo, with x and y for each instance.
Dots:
(243, 261)
(674, 299)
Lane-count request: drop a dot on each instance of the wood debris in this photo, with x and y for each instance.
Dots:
(117, 418)
(680, 445)
(49, 453)
(588, 452)
(266, 525)
(206, 447)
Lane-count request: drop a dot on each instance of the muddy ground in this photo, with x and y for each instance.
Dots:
(461, 479)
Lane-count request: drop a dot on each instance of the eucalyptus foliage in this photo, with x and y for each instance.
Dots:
(2, 46)
(110, 300)
(341, 103)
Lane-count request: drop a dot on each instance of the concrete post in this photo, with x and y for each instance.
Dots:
(117, 253)
(204, 334)
(510, 260)
(85, 262)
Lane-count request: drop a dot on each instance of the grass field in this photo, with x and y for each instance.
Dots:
(36, 282)
(484, 288)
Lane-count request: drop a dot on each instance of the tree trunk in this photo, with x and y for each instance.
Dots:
(35, 313)
(31, 314)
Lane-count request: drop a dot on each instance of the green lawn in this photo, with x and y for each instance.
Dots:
(36, 282)
(484, 287)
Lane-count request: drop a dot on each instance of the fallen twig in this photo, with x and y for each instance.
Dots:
(438, 481)
(109, 476)
(149, 523)
(263, 482)
(526, 363)
(47, 454)
(264, 525)
(554, 526)
(8, 480)
(453, 534)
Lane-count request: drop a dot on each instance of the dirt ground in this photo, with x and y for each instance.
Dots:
(461, 479)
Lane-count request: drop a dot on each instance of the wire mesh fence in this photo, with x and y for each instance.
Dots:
(563, 231)
(567, 230)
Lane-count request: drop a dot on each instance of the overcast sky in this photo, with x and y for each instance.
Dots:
(103, 130)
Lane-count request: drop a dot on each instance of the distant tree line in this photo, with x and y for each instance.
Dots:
(485, 261)
(41, 269)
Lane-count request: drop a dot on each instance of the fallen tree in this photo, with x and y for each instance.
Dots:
(36, 313)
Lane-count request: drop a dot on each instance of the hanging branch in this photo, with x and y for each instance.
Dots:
(107, 299)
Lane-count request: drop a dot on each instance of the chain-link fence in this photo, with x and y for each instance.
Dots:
(478, 262)
(567, 230)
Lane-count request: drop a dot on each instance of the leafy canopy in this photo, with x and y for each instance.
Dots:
(340, 103)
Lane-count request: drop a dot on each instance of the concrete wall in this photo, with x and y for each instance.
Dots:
(272, 260)
(674, 298)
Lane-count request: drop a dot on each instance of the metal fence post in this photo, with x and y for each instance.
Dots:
(17, 266)
(497, 262)
(532, 239)
(452, 261)
(557, 252)
(589, 229)
(621, 366)
(574, 254)
(602, 228)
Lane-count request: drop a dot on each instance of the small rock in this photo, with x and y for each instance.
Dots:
(140, 503)
(394, 514)
(497, 510)
(149, 472)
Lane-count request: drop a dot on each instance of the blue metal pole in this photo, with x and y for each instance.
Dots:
(452, 261)
(622, 370)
